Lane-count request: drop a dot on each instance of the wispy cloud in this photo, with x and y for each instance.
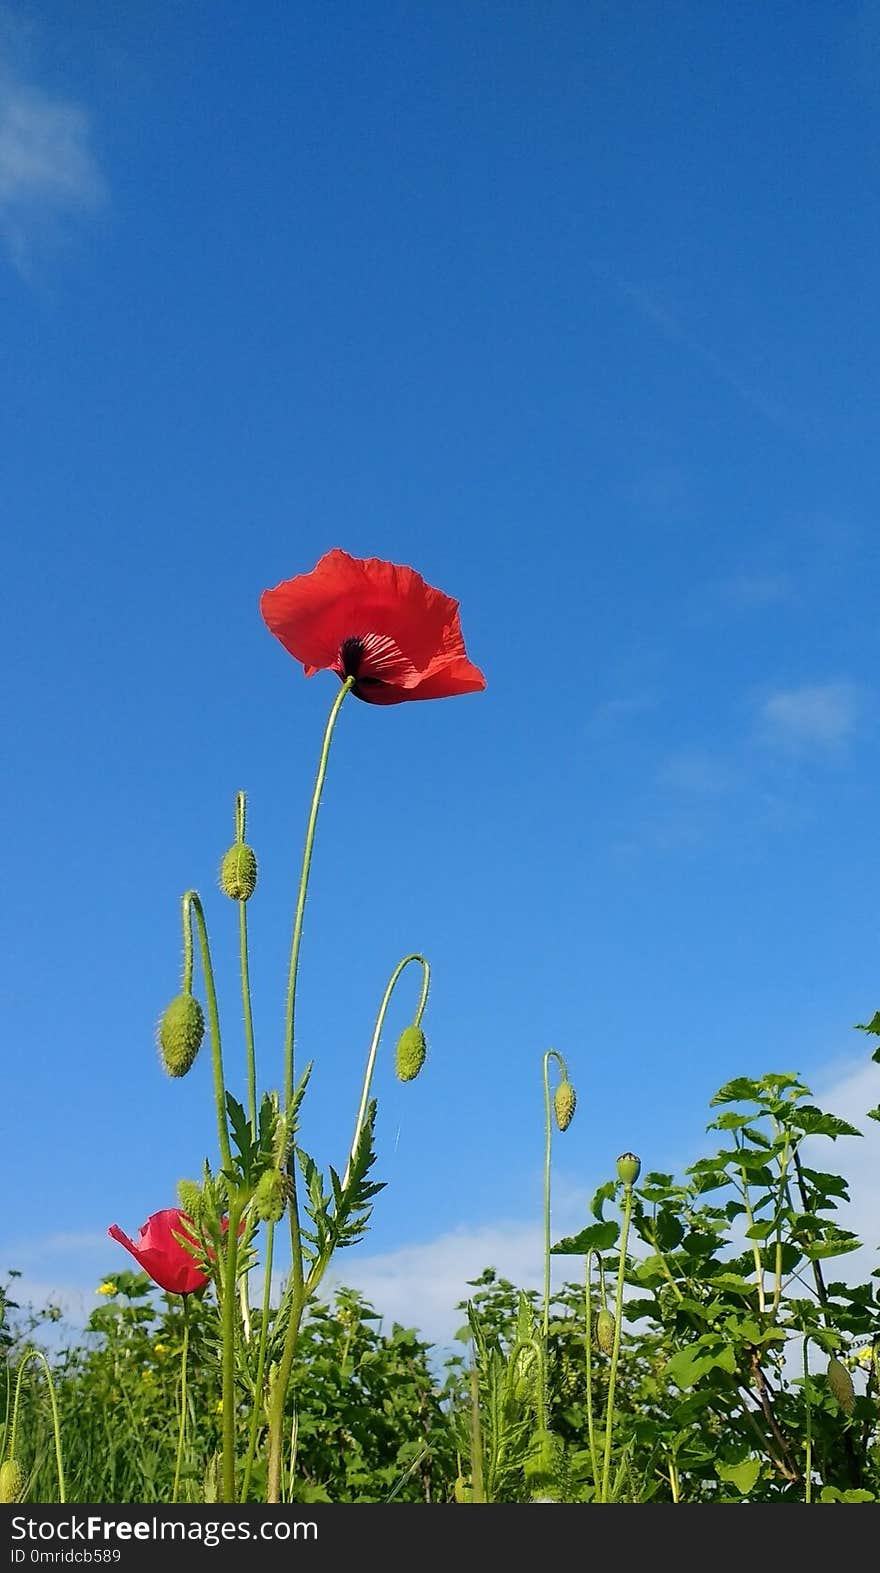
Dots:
(669, 324)
(695, 770)
(48, 169)
(820, 716)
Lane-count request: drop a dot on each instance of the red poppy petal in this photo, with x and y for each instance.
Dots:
(346, 597)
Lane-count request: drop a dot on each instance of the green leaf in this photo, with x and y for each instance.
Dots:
(831, 1494)
(741, 1090)
(870, 1026)
(596, 1237)
(743, 1475)
(604, 1194)
(815, 1122)
(874, 1114)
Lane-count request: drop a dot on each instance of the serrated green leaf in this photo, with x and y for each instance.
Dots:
(596, 1237)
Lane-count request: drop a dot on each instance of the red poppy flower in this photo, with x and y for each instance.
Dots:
(377, 622)
(168, 1263)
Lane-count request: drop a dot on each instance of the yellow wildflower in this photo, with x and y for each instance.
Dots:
(161, 1349)
(107, 1287)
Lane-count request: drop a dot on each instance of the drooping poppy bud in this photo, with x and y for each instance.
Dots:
(605, 1331)
(13, 1481)
(840, 1384)
(564, 1100)
(270, 1197)
(542, 1463)
(192, 1200)
(410, 1055)
(629, 1167)
(238, 872)
(181, 1031)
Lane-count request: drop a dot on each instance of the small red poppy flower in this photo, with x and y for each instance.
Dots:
(377, 622)
(168, 1263)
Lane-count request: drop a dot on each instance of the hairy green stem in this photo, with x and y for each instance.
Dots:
(261, 1364)
(279, 1394)
(182, 1431)
(374, 1045)
(588, 1350)
(192, 906)
(615, 1352)
(808, 1466)
(551, 1054)
(229, 1307)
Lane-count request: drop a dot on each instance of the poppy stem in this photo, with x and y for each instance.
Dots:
(615, 1350)
(182, 1432)
(551, 1054)
(282, 1382)
(192, 905)
(588, 1353)
(377, 1033)
(261, 1364)
(240, 828)
(229, 1310)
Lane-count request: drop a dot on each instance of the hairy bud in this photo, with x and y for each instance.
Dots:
(840, 1384)
(605, 1331)
(238, 872)
(410, 1056)
(181, 1031)
(12, 1481)
(564, 1100)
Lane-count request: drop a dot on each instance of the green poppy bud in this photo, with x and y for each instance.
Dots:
(840, 1384)
(629, 1167)
(181, 1031)
(564, 1100)
(270, 1197)
(238, 872)
(605, 1331)
(541, 1464)
(12, 1481)
(192, 1200)
(410, 1056)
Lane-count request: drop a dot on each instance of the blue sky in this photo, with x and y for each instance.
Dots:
(571, 306)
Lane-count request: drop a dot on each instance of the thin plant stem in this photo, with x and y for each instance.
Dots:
(588, 1351)
(240, 829)
(377, 1033)
(551, 1054)
(615, 1352)
(279, 1394)
(478, 1490)
(192, 906)
(37, 1354)
(182, 1431)
(229, 1305)
(808, 1465)
(261, 1365)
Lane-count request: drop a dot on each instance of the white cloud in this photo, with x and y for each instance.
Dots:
(696, 771)
(48, 171)
(822, 715)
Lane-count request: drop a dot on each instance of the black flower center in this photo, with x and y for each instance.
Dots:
(352, 653)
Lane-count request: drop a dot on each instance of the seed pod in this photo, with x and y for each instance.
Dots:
(270, 1197)
(192, 1200)
(605, 1331)
(181, 1031)
(840, 1384)
(238, 872)
(410, 1055)
(12, 1481)
(564, 1100)
(629, 1167)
